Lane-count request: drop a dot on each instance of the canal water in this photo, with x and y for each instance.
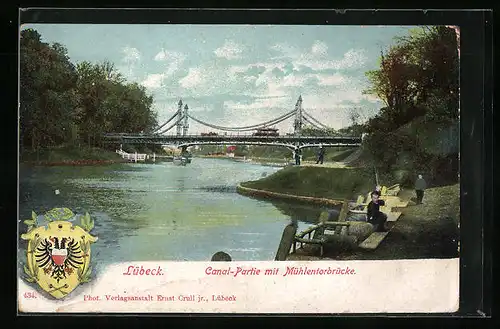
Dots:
(146, 212)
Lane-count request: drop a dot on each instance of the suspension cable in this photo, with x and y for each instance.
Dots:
(311, 123)
(173, 125)
(239, 129)
(314, 119)
(246, 128)
(164, 124)
(286, 115)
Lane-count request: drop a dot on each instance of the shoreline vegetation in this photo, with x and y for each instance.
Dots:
(70, 156)
(316, 182)
(427, 230)
(259, 193)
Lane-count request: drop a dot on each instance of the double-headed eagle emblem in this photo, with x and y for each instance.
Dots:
(58, 254)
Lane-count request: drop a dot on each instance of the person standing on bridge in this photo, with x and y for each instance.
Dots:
(321, 155)
(420, 186)
(297, 156)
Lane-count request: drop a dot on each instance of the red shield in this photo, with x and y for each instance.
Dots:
(59, 256)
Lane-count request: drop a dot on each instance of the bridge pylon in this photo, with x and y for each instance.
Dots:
(297, 124)
(179, 115)
(185, 125)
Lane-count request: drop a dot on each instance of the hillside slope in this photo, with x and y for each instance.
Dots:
(334, 183)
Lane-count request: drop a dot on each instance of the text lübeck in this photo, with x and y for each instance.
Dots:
(136, 270)
(222, 298)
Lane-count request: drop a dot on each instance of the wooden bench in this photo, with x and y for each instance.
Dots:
(394, 202)
(373, 241)
(360, 200)
(322, 233)
(320, 239)
(393, 190)
(393, 216)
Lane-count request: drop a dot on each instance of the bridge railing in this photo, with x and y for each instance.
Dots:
(133, 156)
(230, 136)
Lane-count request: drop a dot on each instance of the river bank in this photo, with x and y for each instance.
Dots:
(333, 158)
(427, 230)
(70, 156)
(317, 182)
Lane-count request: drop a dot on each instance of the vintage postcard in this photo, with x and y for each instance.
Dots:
(238, 169)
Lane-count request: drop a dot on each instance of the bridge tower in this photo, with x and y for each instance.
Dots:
(297, 125)
(179, 115)
(186, 124)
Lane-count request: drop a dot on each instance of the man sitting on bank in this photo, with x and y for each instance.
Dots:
(374, 215)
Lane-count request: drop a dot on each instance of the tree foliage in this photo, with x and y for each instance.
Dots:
(62, 103)
(311, 131)
(418, 81)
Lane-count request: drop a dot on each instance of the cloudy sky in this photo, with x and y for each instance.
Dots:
(238, 75)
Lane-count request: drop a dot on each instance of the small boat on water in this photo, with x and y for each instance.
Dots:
(180, 161)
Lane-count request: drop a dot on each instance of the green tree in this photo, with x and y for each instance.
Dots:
(48, 98)
(109, 104)
(61, 102)
(418, 82)
(418, 76)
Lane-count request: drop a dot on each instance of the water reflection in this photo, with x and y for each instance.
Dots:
(167, 212)
(300, 212)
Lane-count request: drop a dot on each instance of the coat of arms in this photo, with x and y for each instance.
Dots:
(58, 253)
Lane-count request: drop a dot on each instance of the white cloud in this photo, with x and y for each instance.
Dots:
(131, 54)
(259, 103)
(194, 78)
(131, 58)
(325, 95)
(212, 78)
(331, 79)
(351, 59)
(294, 80)
(319, 48)
(153, 81)
(230, 50)
(266, 84)
(317, 59)
(300, 80)
(173, 60)
(285, 50)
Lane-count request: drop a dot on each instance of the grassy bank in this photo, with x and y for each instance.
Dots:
(340, 156)
(427, 230)
(334, 183)
(70, 155)
(442, 201)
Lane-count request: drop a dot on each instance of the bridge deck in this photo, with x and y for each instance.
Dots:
(286, 141)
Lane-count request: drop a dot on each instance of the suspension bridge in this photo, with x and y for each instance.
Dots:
(237, 135)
